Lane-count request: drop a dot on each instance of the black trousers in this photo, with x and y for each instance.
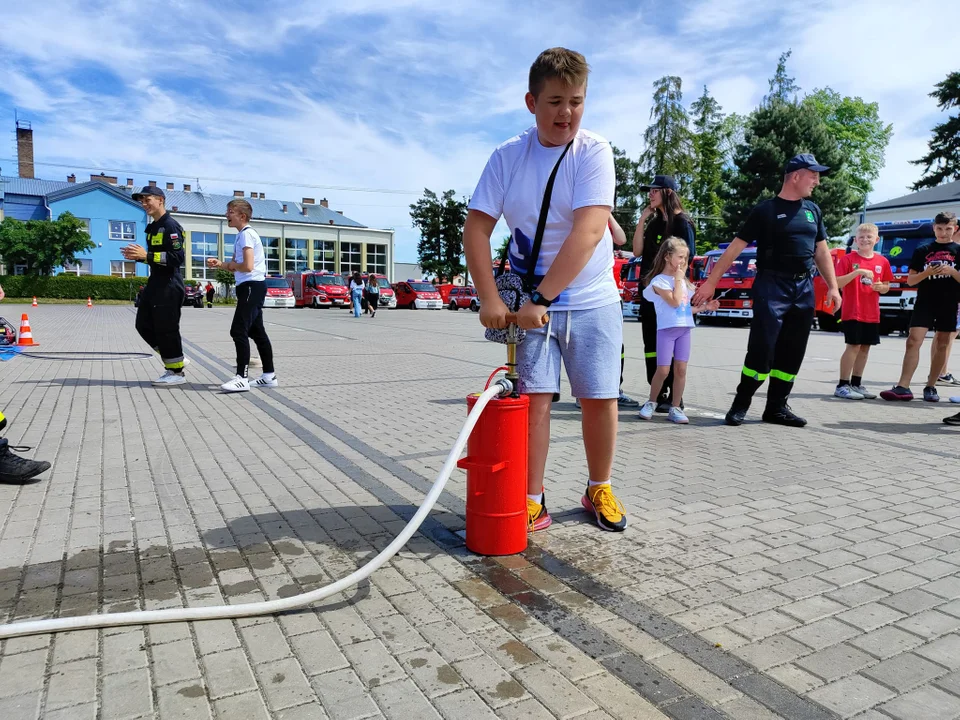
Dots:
(783, 309)
(158, 320)
(210, 298)
(248, 323)
(648, 316)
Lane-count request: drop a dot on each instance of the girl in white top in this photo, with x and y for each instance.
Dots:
(250, 268)
(670, 291)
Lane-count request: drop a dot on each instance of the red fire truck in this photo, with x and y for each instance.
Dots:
(318, 289)
(630, 283)
(735, 288)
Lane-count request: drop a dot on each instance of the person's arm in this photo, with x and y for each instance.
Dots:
(824, 262)
(245, 266)
(2, 294)
(619, 236)
(915, 277)
(476, 246)
(707, 288)
(589, 224)
(638, 233)
(848, 277)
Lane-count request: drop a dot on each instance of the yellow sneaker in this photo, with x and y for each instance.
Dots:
(537, 516)
(610, 514)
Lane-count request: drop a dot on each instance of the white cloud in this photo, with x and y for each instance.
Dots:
(415, 93)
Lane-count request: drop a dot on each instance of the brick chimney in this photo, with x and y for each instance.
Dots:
(304, 209)
(307, 201)
(71, 178)
(169, 186)
(109, 179)
(173, 209)
(152, 183)
(324, 203)
(186, 188)
(339, 212)
(129, 182)
(238, 193)
(263, 196)
(330, 221)
(24, 149)
(284, 207)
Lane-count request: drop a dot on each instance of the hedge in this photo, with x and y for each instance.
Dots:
(71, 287)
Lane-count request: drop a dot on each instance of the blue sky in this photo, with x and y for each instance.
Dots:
(404, 94)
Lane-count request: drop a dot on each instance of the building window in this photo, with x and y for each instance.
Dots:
(350, 257)
(295, 255)
(83, 266)
(86, 224)
(19, 269)
(377, 259)
(123, 268)
(271, 252)
(202, 246)
(120, 230)
(229, 241)
(324, 255)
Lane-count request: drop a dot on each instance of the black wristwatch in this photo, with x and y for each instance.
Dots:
(537, 298)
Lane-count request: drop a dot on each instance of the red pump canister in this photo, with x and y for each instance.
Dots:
(496, 465)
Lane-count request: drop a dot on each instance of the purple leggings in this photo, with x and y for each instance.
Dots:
(673, 344)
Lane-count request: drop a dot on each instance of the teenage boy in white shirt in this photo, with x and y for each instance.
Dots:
(573, 274)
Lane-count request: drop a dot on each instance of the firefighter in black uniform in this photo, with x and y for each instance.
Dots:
(790, 237)
(662, 218)
(158, 314)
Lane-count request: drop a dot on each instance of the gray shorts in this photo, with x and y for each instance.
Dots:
(588, 342)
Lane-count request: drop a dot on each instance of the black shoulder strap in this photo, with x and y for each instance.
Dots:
(542, 223)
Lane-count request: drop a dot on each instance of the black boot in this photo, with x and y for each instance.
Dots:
(781, 414)
(15, 469)
(736, 415)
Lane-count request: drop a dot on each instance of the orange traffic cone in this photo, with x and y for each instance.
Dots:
(89, 304)
(35, 301)
(26, 337)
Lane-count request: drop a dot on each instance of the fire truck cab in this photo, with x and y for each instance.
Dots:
(735, 288)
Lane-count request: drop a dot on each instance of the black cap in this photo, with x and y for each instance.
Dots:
(805, 161)
(149, 190)
(662, 182)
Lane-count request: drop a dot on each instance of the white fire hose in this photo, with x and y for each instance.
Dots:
(269, 607)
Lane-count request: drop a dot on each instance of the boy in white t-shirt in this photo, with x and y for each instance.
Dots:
(249, 267)
(573, 274)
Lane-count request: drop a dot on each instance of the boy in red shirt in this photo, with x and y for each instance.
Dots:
(864, 275)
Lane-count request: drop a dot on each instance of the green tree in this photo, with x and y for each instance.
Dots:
(782, 86)
(708, 158)
(440, 222)
(775, 132)
(227, 279)
(625, 203)
(502, 248)
(861, 134)
(43, 245)
(942, 162)
(669, 144)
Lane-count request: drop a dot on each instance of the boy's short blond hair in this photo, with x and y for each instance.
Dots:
(567, 66)
(868, 227)
(242, 206)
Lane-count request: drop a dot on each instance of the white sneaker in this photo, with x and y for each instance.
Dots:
(237, 384)
(847, 393)
(646, 412)
(262, 382)
(170, 378)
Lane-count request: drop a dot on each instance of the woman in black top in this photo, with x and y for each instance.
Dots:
(663, 217)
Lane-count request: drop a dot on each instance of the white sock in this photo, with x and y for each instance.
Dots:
(269, 376)
(536, 498)
(594, 484)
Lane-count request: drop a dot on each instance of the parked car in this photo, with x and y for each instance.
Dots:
(463, 297)
(417, 295)
(193, 296)
(279, 293)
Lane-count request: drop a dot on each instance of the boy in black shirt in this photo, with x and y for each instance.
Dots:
(933, 270)
(158, 314)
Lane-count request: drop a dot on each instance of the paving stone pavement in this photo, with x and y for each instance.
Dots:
(766, 573)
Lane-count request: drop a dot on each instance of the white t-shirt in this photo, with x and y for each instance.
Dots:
(248, 238)
(667, 315)
(512, 186)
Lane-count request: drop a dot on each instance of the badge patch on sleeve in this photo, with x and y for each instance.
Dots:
(810, 216)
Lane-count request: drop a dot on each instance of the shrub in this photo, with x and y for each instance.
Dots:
(71, 287)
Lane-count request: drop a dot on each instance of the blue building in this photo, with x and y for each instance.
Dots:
(297, 236)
